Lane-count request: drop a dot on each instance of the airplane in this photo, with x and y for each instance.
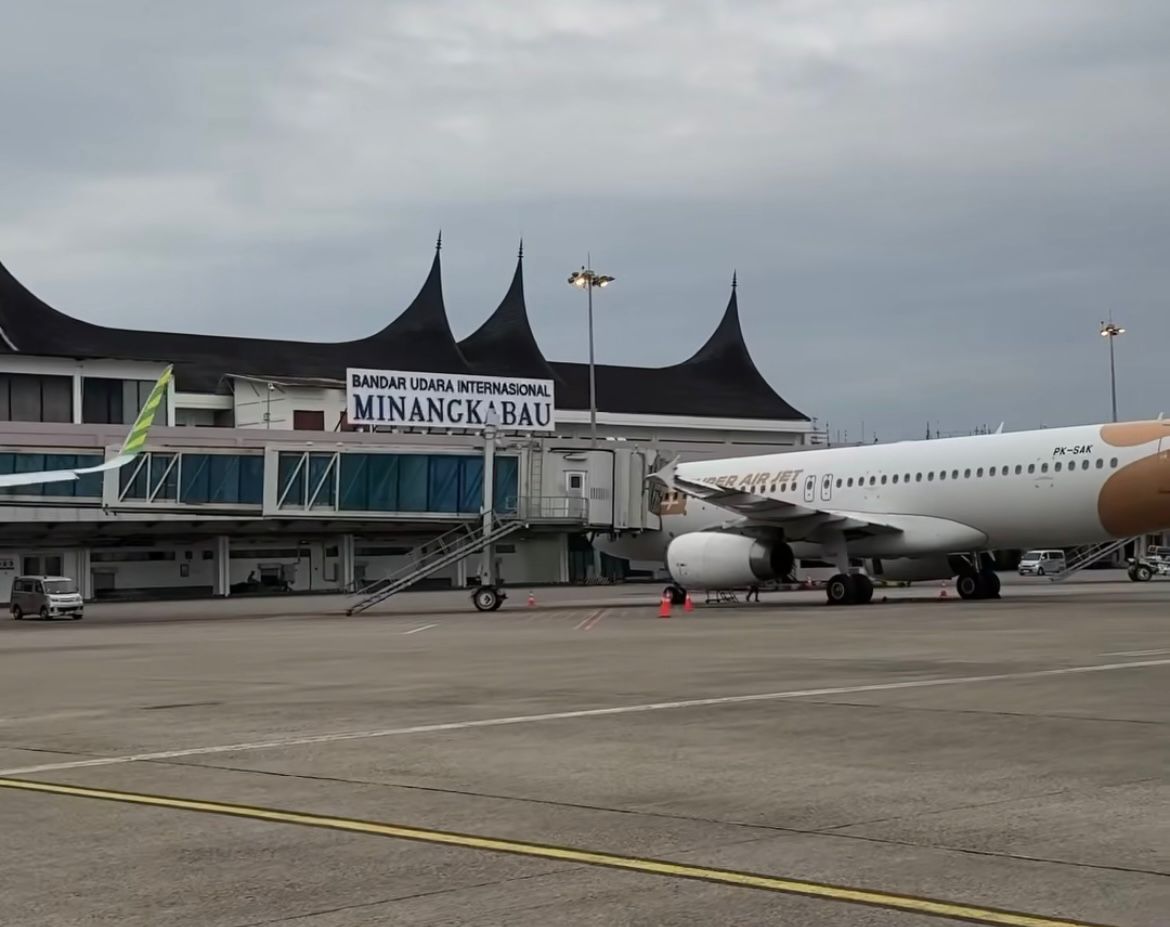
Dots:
(944, 503)
(679, 514)
(131, 446)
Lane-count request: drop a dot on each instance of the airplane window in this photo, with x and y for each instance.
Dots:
(895, 477)
(1019, 469)
(883, 480)
(930, 475)
(942, 474)
(1044, 468)
(918, 477)
(1056, 466)
(1085, 464)
(906, 478)
(954, 474)
(979, 472)
(967, 474)
(1100, 463)
(1005, 471)
(840, 482)
(1031, 468)
(872, 480)
(773, 487)
(1113, 462)
(991, 471)
(849, 482)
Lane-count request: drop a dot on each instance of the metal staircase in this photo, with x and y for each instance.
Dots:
(1086, 556)
(428, 558)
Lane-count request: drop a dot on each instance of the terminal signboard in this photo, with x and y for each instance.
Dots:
(410, 399)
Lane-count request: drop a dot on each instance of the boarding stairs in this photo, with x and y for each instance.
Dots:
(1088, 555)
(451, 547)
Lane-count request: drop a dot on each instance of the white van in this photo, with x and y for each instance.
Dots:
(1042, 562)
(46, 597)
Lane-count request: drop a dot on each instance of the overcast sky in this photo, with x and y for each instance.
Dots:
(931, 205)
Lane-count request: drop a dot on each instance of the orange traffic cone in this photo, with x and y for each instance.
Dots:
(531, 599)
(664, 606)
(688, 605)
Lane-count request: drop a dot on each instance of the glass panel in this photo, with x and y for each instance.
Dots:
(354, 494)
(196, 479)
(59, 462)
(471, 484)
(90, 485)
(507, 484)
(224, 480)
(251, 479)
(382, 482)
(164, 479)
(290, 476)
(56, 399)
(319, 468)
(412, 483)
(25, 397)
(443, 494)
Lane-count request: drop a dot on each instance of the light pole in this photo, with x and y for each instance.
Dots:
(1111, 330)
(585, 279)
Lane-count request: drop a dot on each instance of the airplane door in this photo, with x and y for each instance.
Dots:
(810, 488)
(827, 487)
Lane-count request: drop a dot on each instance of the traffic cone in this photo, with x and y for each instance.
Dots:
(531, 600)
(664, 606)
(688, 605)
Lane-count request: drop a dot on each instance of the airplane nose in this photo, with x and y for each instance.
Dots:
(1136, 499)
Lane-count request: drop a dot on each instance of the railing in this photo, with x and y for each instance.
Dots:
(553, 508)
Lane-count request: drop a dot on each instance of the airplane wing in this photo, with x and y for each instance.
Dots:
(131, 447)
(798, 521)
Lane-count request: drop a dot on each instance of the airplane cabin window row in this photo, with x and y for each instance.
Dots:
(967, 473)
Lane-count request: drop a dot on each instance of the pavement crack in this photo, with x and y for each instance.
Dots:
(410, 897)
(831, 833)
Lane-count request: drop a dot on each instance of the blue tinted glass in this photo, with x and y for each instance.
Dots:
(443, 494)
(290, 479)
(471, 484)
(195, 480)
(412, 483)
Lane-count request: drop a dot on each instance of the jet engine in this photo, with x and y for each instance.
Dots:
(721, 560)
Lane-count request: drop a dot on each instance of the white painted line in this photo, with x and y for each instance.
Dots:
(425, 627)
(584, 621)
(566, 715)
(1136, 653)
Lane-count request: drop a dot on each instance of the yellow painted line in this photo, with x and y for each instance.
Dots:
(909, 903)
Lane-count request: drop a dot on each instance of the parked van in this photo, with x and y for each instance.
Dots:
(46, 597)
(1041, 562)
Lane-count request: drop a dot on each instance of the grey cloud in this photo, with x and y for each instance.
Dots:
(930, 205)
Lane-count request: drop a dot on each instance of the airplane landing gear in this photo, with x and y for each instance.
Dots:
(849, 589)
(488, 598)
(677, 594)
(982, 585)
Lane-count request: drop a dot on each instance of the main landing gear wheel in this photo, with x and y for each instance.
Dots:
(678, 595)
(983, 585)
(846, 589)
(487, 598)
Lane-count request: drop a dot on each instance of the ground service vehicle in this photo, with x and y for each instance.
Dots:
(46, 597)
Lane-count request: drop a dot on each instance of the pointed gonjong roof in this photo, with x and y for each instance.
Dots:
(720, 380)
(504, 344)
(419, 339)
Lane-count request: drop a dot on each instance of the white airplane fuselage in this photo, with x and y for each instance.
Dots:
(1055, 487)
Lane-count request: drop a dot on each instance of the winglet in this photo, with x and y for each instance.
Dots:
(666, 474)
(136, 440)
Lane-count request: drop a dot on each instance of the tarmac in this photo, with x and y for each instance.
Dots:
(918, 761)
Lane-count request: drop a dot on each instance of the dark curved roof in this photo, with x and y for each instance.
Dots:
(720, 380)
(419, 339)
(504, 345)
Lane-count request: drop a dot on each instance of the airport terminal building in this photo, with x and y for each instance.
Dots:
(256, 477)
